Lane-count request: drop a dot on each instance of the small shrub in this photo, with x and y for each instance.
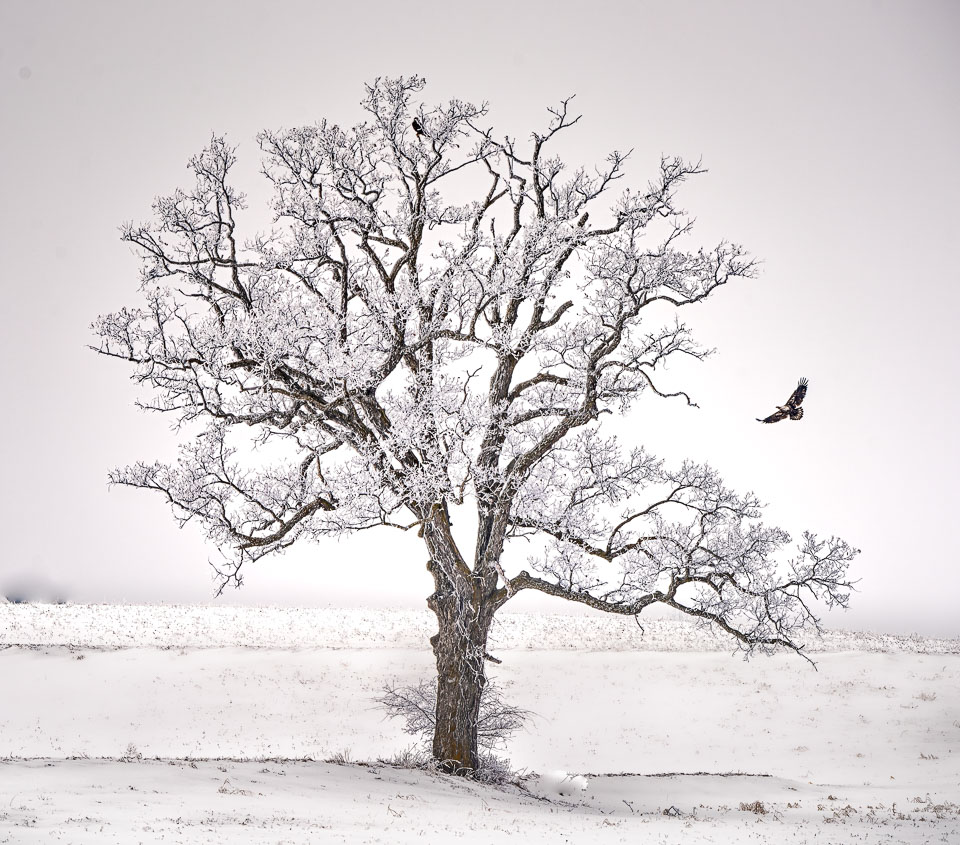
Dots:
(227, 789)
(417, 706)
(132, 754)
(755, 807)
(410, 758)
(494, 770)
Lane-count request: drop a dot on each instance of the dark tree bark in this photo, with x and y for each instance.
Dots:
(464, 607)
(459, 647)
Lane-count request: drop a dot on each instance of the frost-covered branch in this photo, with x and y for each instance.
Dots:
(693, 545)
(397, 353)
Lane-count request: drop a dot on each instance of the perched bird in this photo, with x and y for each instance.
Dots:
(417, 127)
(792, 407)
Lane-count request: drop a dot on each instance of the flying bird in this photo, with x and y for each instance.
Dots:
(792, 407)
(417, 127)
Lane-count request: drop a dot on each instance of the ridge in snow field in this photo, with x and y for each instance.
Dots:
(563, 784)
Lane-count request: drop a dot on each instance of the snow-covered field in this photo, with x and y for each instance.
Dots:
(149, 724)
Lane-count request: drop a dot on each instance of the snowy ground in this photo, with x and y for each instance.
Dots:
(188, 725)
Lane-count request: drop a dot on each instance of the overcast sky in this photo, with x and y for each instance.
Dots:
(830, 131)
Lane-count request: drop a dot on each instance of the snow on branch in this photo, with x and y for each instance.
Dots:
(440, 315)
(693, 545)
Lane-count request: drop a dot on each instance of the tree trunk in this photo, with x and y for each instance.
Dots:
(464, 614)
(459, 647)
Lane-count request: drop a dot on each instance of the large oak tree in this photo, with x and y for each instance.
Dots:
(397, 354)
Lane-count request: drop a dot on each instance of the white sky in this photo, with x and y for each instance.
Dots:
(830, 132)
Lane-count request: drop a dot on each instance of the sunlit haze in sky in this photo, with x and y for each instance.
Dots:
(830, 135)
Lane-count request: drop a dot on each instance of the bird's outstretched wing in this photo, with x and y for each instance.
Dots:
(797, 396)
(776, 416)
(792, 407)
